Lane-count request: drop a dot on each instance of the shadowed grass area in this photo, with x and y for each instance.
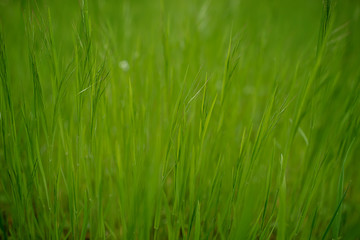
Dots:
(179, 119)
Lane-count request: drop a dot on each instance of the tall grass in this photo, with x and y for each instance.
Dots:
(179, 120)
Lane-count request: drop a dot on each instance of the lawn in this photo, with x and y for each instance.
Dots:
(191, 119)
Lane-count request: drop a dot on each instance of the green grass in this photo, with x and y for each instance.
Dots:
(180, 119)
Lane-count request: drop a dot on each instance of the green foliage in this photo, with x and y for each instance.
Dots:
(179, 119)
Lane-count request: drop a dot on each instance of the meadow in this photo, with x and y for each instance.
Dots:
(192, 119)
